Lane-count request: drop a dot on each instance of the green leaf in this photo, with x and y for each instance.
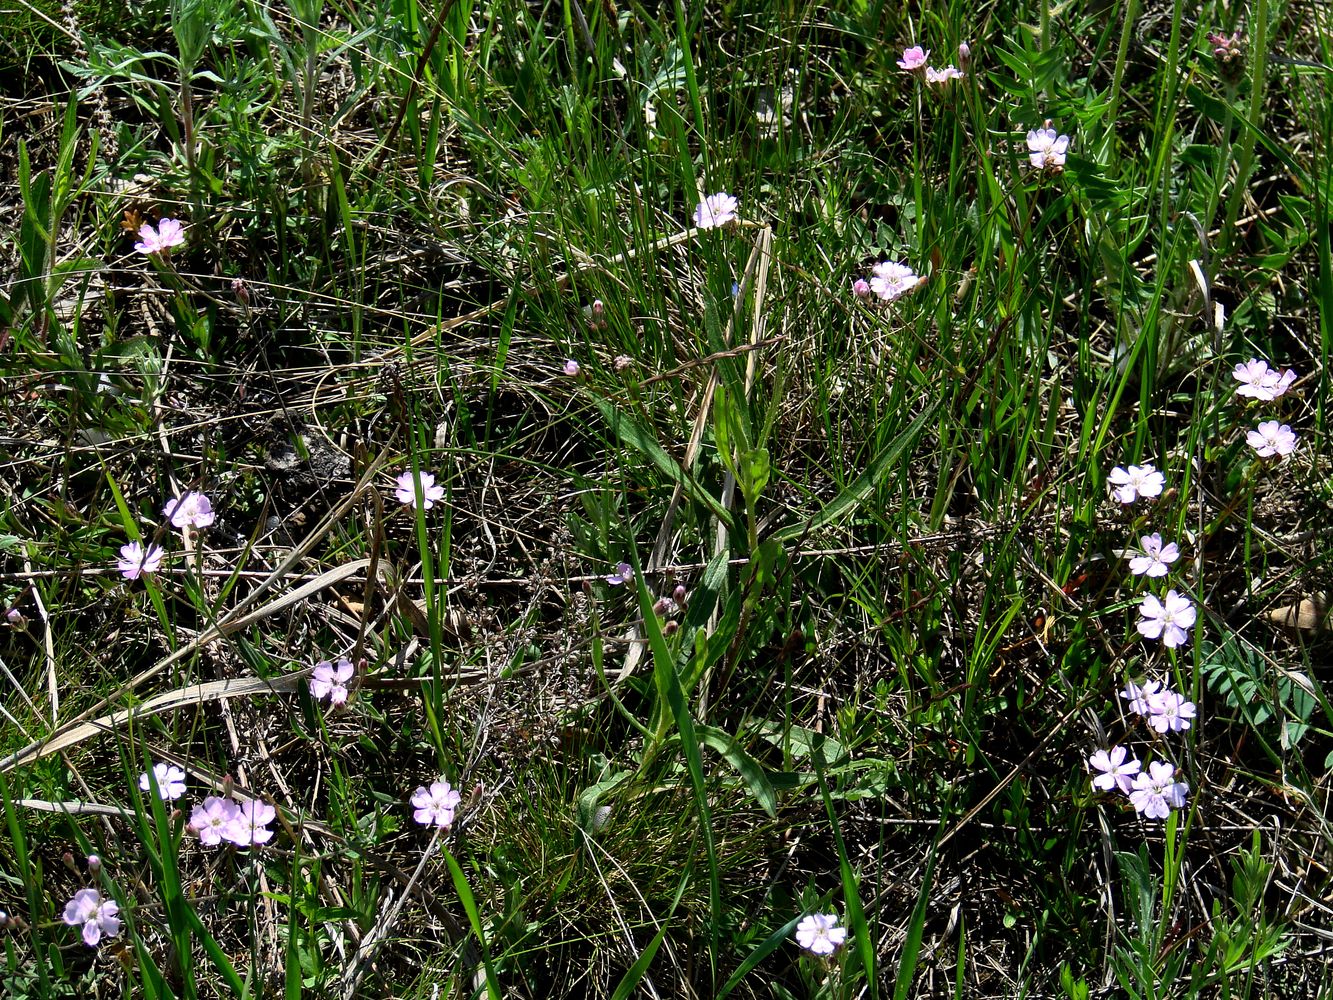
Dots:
(750, 770)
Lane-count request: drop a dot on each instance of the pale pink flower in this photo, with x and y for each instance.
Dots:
(1156, 792)
(170, 781)
(435, 805)
(1046, 149)
(169, 233)
(624, 574)
(1136, 481)
(213, 819)
(191, 509)
(1138, 695)
(135, 560)
(892, 280)
(819, 933)
(861, 288)
(1168, 620)
(715, 210)
(1155, 558)
(96, 915)
(430, 493)
(250, 824)
(1169, 712)
(943, 76)
(1116, 771)
(1271, 438)
(570, 367)
(914, 59)
(330, 681)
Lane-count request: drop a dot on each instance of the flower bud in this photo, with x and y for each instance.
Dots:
(861, 288)
(678, 595)
(964, 54)
(94, 865)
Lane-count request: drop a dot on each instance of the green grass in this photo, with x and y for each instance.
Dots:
(901, 613)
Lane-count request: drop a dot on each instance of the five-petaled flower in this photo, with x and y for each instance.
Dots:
(943, 76)
(624, 574)
(190, 510)
(1115, 770)
(1168, 620)
(1136, 481)
(820, 934)
(96, 915)
(250, 823)
(1154, 559)
(1169, 712)
(892, 280)
(1046, 148)
(169, 233)
(136, 560)
(329, 680)
(914, 59)
(715, 210)
(214, 819)
(1258, 381)
(1138, 695)
(430, 493)
(1156, 792)
(435, 806)
(170, 781)
(1271, 438)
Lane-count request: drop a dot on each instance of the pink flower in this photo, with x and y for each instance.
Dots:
(1046, 149)
(893, 280)
(1271, 438)
(1136, 481)
(570, 367)
(96, 915)
(861, 288)
(329, 681)
(214, 819)
(1169, 712)
(250, 824)
(1258, 381)
(1167, 620)
(191, 509)
(913, 59)
(135, 560)
(1155, 792)
(1116, 771)
(942, 76)
(170, 781)
(819, 933)
(1155, 558)
(715, 210)
(1138, 695)
(430, 493)
(624, 574)
(169, 233)
(435, 805)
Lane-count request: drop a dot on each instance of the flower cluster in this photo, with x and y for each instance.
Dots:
(191, 511)
(1153, 792)
(241, 823)
(1047, 148)
(1259, 381)
(1165, 710)
(914, 61)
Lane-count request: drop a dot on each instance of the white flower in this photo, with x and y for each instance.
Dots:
(1136, 481)
(1271, 438)
(1046, 149)
(1155, 558)
(1156, 792)
(892, 280)
(715, 210)
(820, 934)
(170, 781)
(430, 493)
(943, 76)
(1167, 620)
(135, 560)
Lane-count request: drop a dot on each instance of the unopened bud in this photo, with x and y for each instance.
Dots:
(228, 784)
(67, 859)
(94, 864)
(670, 628)
(678, 595)
(964, 53)
(241, 291)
